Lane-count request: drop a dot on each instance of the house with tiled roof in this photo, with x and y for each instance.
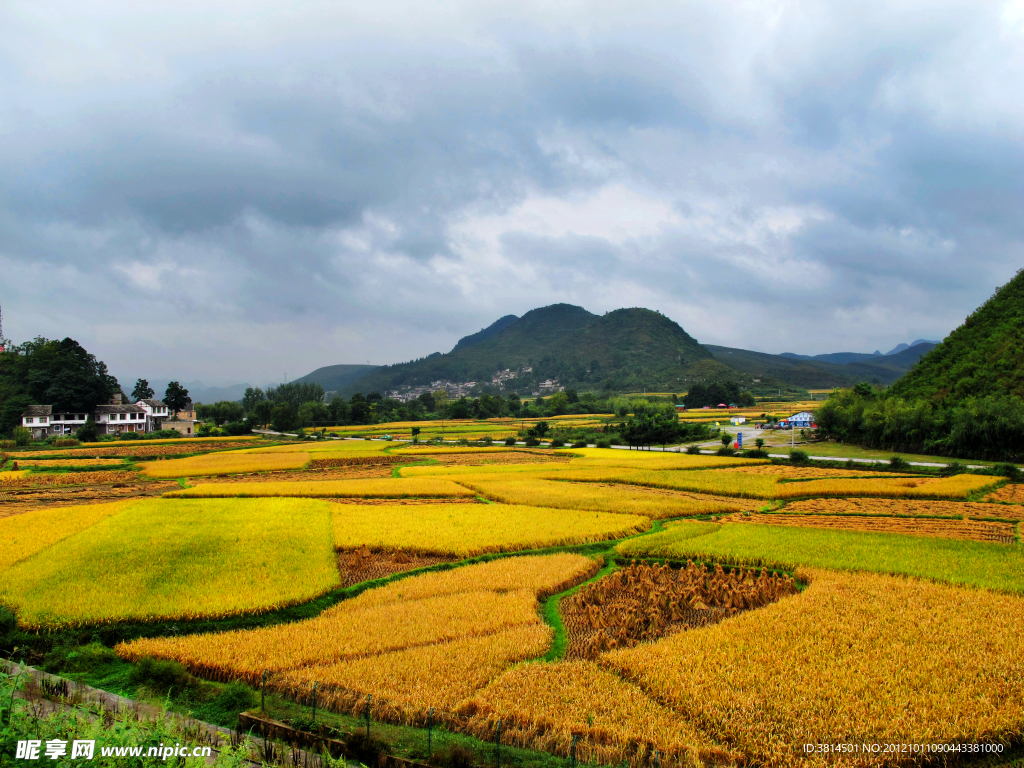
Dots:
(112, 418)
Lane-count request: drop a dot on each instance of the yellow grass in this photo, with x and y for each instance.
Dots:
(376, 488)
(428, 609)
(856, 658)
(15, 474)
(968, 530)
(23, 535)
(544, 705)
(619, 499)
(176, 559)
(27, 478)
(228, 463)
(472, 529)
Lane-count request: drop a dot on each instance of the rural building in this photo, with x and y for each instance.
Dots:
(738, 419)
(41, 420)
(156, 412)
(183, 421)
(804, 419)
(117, 417)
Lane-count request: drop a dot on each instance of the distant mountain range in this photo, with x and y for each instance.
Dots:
(624, 350)
(335, 377)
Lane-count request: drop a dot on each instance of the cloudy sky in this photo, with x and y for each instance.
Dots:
(234, 190)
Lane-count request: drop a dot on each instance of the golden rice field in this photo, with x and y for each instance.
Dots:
(22, 536)
(420, 487)
(231, 463)
(473, 529)
(621, 499)
(408, 682)
(973, 530)
(544, 705)
(144, 448)
(62, 463)
(905, 507)
(855, 658)
(430, 609)
(168, 559)
(791, 472)
(727, 483)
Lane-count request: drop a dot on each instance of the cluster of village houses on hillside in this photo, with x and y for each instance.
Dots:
(113, 418)
(457, 389)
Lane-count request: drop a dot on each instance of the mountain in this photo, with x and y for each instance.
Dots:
(198, 392)
(901, 347)
(500, 324)
(335, 377)
(984, 356)
(621, 350)
(839, 369)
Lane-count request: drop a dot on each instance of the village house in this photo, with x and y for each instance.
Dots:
(42, 422)
(112, 418)
(183, 421)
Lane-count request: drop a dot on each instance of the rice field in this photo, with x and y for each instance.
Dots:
(231, 463)
(620, 499)
(422, 487)
(904, 507)
(22, 536)
(1011, 493)
(431, 609)
(855, 658)
(28, 479)
(472, 529)
(971, 530)
(968, 563)
(171, 559)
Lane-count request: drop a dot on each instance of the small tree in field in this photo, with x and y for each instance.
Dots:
(726, 439)
(759, 442)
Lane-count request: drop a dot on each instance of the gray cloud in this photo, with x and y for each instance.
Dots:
(226, 193)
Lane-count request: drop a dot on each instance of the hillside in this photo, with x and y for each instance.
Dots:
(335, 377)
(984, 356)
(624, 349)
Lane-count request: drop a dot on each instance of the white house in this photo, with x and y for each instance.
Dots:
(117, 417)
(156, 412)
(42, 421)
(737, 420)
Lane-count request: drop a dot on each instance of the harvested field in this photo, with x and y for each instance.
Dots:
(16, 502)
(904, 507)
(62, 463)
(1012, 493)
(357, 461)
(364, 564)
(642, 603)
(67, 478)
(973, 530)
(139, 448)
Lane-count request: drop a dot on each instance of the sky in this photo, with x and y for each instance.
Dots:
(243, 191)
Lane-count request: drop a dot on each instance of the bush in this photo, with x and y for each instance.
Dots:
(726, 451)
(557, 442)
(129, 436)
(6, 445)
(755, 453)
(462, 441)
(693, 450)
(456, 756)
(237, 697)
(603, 442)
(1011, 471)
(899, 464)
(488, 441)
(510, 441)
(580, 444)
(236, 428)
(64, 442)
(21, 436)
(532, 441)
(366, 749)
(161, 676)
(799, 457)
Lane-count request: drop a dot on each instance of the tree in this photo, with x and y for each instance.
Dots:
(359, 409)
(514, 403)
(572, 395)
(87, 433)
(459, 409)
(759, 442)
(415, 434)
(726, 438)
(142, 390)
(283, 417)
(176, 397)
(262, 412)
(541, 428)
(559, 403)
(313, 414)
(251, 397)
(440, 400)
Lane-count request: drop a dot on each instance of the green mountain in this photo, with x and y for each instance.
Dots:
(335, 377)
(984, 356)
(621, 350)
